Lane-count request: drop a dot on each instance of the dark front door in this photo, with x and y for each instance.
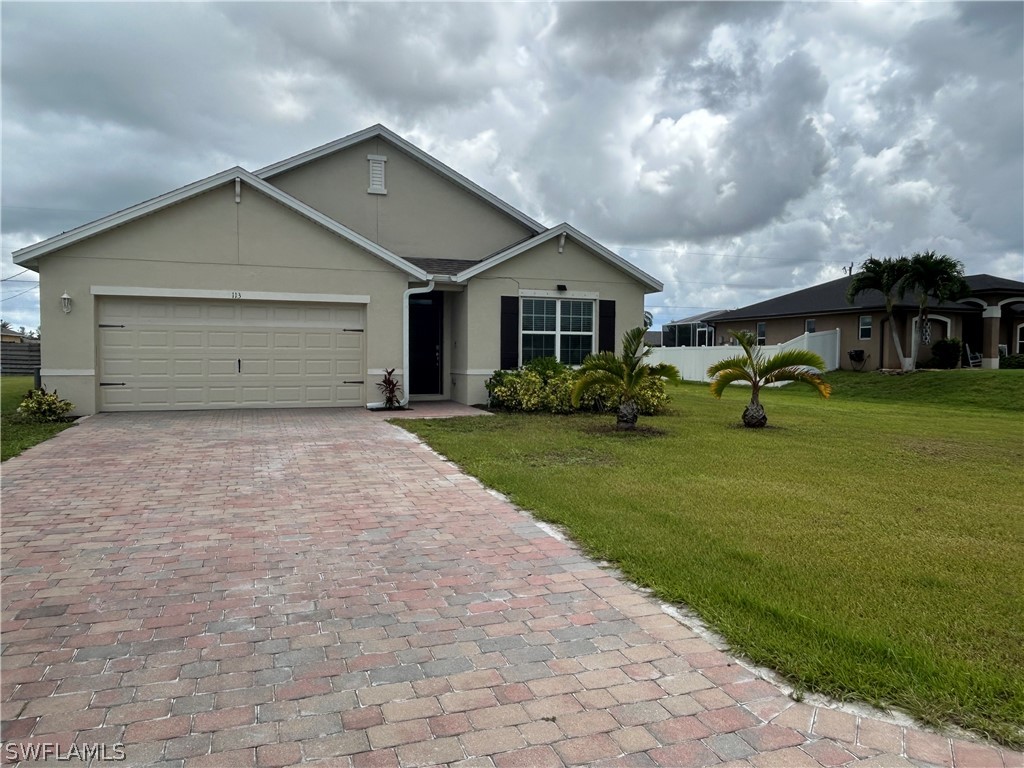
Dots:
(426, 312)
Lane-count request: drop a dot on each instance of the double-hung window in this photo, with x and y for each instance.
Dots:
(562, 328)
(864, 327)
(809, 325)
(761, 334)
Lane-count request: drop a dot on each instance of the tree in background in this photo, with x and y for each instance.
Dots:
(886, 277)
(931, 276)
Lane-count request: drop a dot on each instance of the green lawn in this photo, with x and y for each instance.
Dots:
(15, 437)
(867, 547)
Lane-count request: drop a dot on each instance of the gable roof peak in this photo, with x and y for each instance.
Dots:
(379, 130)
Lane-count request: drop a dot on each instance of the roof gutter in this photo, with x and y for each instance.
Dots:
(405, 341)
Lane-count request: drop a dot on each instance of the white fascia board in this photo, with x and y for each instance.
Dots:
(128, 214)
(592, 245)
(379, 131)
(199, 187)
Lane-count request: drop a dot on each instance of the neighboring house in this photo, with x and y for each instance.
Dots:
(991, 319)
(299, 284)
(11, 336)
(695, 331)
(652, 338)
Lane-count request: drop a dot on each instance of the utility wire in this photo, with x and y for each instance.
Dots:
(8, 298)
(16, 274)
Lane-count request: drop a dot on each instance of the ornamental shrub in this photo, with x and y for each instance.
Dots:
(520, 390)
(1011, 361)
(527, 390)
(547, 368)
(947, 352)
(42, 406)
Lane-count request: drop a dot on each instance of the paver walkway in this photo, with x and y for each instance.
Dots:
(273, 587)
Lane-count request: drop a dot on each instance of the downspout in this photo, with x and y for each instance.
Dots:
(405, 342)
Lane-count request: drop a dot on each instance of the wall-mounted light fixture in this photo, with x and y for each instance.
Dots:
(561, 287)
(65, 302)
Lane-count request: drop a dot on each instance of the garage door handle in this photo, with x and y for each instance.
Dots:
(352, 330)
(113, 384)
(353, 382)
(239, 365)
(108, 325)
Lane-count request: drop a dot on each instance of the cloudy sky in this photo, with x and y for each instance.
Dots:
(735, 151)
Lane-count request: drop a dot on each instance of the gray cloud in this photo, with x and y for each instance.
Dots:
(735, 150)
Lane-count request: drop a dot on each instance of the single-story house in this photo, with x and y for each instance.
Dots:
(299, 284)
(11, 336)
(989, 322)
(694, 331)
(652, 338)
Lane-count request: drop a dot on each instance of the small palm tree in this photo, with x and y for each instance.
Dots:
(930, 275)
(625, 373)
(752, 367)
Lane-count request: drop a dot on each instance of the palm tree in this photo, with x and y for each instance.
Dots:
(884, 276)
(752, 367)
(625, 373)
(930, 275)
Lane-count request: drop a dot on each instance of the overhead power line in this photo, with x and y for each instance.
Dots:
(8, 298)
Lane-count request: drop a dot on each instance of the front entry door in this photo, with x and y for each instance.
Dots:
(426, 314)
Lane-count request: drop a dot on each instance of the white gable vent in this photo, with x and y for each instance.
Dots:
(377, 174)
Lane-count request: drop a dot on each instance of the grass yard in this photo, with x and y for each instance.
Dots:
(15, 437)
(868, 547)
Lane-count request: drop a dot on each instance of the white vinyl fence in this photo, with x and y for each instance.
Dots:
(693, 362)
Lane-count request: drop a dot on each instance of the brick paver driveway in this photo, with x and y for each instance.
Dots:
(274, 587)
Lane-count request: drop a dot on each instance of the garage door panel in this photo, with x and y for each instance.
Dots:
(115, 337)
(222, 339)
(320, 395)
(183, 368)
(161, 368)
(188, 340)
(179, 353)
(184, 395)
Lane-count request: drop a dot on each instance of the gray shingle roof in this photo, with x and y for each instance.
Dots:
(830, 298)
(442, 266)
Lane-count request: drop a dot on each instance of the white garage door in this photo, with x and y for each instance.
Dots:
(183, 354)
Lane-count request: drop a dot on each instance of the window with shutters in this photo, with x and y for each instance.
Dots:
(377, 174)
(561, 328)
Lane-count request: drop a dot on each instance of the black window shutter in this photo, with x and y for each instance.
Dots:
(509, 332)
(606, 326)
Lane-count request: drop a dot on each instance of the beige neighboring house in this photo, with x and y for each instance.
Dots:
(298, 284)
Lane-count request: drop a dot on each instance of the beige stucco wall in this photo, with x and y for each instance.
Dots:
(209, 242)
(541, 268)
(422, 215)
(782, 329)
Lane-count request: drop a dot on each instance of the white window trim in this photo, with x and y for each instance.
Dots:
(532, 294)
(860, 327)
(558, 332)
(760, 340)
(1020, 346)
(377, 161)
(811, 321)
